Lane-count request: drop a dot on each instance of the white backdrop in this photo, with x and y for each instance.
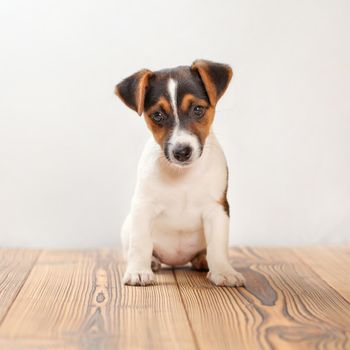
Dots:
(69, 148)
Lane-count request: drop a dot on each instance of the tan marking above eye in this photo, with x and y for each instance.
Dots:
(190, 99)
(162, 103)
(201, 127)
(159, 132)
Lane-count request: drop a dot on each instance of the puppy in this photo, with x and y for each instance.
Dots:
(179, 212)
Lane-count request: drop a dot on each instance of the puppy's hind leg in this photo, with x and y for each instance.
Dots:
(199, 262)
(155, 264)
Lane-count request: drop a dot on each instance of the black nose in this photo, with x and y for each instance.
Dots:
(182, 152)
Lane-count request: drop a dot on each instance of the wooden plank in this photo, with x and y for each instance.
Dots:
(15, 266)
(221, 318)
(75, 300)
(285, 306)
(332, 264)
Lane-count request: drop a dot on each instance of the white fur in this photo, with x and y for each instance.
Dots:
(176, 213)
(172, 90)
(180, 136)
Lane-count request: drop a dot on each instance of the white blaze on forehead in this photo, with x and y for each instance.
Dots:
(180, 136)
(172, 89)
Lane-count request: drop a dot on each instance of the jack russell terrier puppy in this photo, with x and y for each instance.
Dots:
(179, 212)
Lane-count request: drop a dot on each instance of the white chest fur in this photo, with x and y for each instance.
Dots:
(178, 199)
(178, 229)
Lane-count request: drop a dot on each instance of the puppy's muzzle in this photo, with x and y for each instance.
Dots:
(182, 152)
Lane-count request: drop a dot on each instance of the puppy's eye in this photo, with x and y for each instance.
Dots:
(158, 116)
(198, 111)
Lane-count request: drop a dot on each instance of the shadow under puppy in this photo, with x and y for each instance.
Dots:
(179, 210)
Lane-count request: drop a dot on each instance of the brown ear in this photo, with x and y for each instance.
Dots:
(132, 90)
(215, 77)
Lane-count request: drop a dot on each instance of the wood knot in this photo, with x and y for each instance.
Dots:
(100, 298)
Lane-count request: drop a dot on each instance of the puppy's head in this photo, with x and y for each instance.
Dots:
(178, 105)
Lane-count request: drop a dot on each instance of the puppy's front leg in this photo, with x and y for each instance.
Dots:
(216, 230)
(138, 271)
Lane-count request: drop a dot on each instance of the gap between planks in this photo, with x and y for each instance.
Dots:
(77, 300)
(286, 304)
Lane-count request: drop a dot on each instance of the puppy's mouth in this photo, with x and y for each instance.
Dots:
(182, 164)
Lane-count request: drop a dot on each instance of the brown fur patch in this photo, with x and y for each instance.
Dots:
(132, 90)
(202, 68)
(223, 200)
(141, 90)
(159, 131)
(189, 99)
(215, 87)
(199, 262)
(162, 103)
(202, 126)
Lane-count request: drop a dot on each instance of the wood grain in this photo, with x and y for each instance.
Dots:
(221, 318)
(294, 299)
(75, 300)
(285, 306)
(332, 264)
(15, 266)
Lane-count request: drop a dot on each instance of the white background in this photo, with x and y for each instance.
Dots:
(69, 147)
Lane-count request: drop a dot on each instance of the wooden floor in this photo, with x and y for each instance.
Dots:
(294, 299)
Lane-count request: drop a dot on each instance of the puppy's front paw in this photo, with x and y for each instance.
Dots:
(227, 278)
(138, 278)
